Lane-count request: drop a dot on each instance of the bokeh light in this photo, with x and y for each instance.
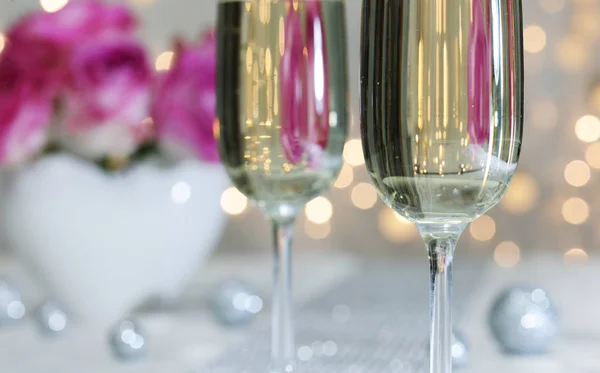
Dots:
(551, 211)
(233, 201)
(483, 229)
(319, 210)
(2, 42)
(587, 128)
(164, 61)
(353, 153)
(52, 6)
(586, 24)
(394, 227)
(575, 211)
(181, 192)
(552, 6)
(576, 256)
(544, 114)
(507, 254)
(577, 173)
(592, 155)
(317, 231)
(521, 196)
(534, 39)
(571, 54)
(594, 98)
(345, 178)
(364, 196)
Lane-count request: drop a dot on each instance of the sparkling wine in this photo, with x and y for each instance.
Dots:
(282, 98)
(442, 104)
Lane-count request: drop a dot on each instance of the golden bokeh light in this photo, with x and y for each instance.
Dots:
(592, 155)
(583, 5)
(507, 254)
(521, 196)
(552, 6)
(317, 231)
(534, 39)
(577, 173)
(52, 6)
(576, 256)
(575, 211)
(402, 219)
(587, 128)
(353, 153)
(571, 54)
(319, 210)
(544, 114)
(345, 178)
(394, 227)
(233, 202)
(364, 196)
(2, 42)
(551, 211)
(594, 98)
(586, 24)
(164, 61)
(483, 229)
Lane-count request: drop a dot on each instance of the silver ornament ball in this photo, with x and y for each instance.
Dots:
(524, 320)
(52, 318)
(127, 340)
(235, 303)
(12, 308)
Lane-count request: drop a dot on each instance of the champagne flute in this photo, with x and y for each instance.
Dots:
(282, 104)
(441, 122)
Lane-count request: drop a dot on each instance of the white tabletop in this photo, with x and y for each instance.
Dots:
(189, 339)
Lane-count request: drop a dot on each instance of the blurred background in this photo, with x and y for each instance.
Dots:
(551, 200)
(545, 231)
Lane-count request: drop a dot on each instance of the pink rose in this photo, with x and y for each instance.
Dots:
(184, 106)
(84, 59)
(305, 101)
(76, 22)
(41, 42)
(25, 114)
(107, 98)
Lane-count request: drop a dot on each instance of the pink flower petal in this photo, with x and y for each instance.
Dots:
(184, 106)
(479, 78)
(304, 87)
(109, 83)
(294, 126)
(25, 114)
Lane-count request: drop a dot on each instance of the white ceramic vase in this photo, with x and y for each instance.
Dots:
(103, 243)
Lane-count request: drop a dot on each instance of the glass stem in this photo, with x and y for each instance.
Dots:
(440, 247)
(282, 323)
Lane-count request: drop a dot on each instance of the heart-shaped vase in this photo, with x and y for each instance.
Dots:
(104, 243)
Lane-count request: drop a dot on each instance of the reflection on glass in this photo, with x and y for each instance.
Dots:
(441, 106)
